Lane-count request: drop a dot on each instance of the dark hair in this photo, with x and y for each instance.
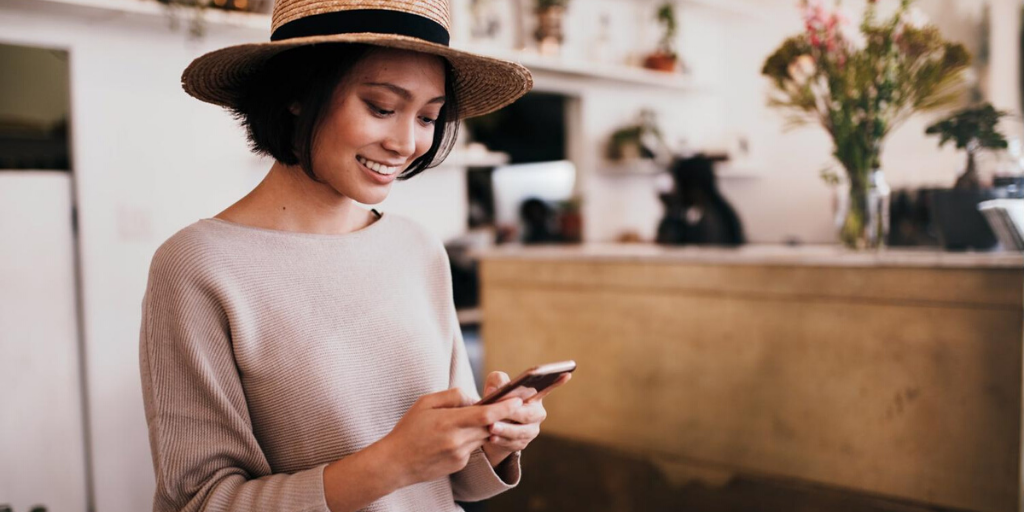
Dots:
(309, 76)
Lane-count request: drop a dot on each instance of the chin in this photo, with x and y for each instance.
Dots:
(372, 197)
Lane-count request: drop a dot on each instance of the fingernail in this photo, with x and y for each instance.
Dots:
(496, 429)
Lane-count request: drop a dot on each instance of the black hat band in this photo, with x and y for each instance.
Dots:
(378, 21)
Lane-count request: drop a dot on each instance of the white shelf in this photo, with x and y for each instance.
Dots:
(748, 8)
(470, 316)
(145, 8)
(648, 168)
(260, 23)
(612, 73)
(459, 158)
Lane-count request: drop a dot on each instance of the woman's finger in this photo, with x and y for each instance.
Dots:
(507, 444)
(513, 432)
(532, 412)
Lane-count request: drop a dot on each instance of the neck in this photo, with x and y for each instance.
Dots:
(288, 200)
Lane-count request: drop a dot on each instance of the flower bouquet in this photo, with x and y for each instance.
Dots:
(860, 85)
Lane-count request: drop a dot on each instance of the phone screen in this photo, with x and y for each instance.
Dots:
(538, 382)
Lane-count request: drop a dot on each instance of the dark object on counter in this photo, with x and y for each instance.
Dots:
(960, 225)
(1009, 187)
(465, 277)
(911, 219)
(695, 212)
(539, 221)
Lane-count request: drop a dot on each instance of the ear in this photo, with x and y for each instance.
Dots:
(295, 108)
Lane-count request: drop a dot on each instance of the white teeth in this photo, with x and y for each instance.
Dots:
(377, 167)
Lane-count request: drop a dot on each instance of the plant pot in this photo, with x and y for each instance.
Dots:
(549, 29)
(661, 62)
(960, 225)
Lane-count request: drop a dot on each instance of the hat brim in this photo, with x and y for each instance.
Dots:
(482, 84)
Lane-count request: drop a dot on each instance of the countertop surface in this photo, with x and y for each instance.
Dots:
(754, 254)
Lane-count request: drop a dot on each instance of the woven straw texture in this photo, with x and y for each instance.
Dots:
(483, 84)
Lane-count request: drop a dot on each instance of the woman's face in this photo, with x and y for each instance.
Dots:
(382, 118)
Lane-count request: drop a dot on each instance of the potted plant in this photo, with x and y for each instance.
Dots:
(859, 86)
(973, 129)
(642, 140)
(197, 10)
(549, 35)
(665, 57)
(960, 224)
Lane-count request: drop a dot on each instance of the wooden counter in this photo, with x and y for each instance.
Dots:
(895, 374)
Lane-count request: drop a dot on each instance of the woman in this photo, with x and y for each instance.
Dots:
(301, 353)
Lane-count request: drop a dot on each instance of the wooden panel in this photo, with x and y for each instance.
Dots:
(562, 475)
(917, 399)
(969, 287)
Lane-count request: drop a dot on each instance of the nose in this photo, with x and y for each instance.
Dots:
(402, 139)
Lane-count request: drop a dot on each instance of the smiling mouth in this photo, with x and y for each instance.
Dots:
(377, 167)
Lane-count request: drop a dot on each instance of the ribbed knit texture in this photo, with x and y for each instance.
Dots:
(265, 355)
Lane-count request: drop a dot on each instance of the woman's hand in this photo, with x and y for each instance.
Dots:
(438, 434)
(522, 426)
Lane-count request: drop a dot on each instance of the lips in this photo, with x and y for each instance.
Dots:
(378, 167)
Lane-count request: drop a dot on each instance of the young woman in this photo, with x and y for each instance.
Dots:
(299, 352)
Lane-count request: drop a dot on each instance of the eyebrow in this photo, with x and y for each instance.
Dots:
(404, 93)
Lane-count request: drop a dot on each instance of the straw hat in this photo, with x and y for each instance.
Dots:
(483, 84)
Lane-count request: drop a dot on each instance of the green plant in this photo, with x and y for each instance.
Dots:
(666, 15)
(644, 137)
(197, 9)
(973, 129)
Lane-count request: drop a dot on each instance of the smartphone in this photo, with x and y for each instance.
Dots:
(538, 377)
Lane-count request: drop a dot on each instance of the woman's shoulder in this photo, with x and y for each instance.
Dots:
(192, 250)
(413, 232)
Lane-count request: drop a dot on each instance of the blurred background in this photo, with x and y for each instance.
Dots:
(761, 320)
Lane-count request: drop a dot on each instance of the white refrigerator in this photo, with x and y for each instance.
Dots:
(42, 448)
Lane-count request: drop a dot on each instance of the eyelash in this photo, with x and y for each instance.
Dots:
(381, 113)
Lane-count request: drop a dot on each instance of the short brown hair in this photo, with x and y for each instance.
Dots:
(309, 75)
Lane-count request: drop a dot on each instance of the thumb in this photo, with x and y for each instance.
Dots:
(494, 381)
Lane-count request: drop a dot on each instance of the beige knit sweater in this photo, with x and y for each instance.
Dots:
(266, 355)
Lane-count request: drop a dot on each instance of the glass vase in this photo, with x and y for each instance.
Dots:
(862, 215)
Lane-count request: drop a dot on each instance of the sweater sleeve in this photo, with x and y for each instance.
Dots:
(205, 455)
(478, 480)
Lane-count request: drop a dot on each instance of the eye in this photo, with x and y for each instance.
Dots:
(379, 112)
(428, 120)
